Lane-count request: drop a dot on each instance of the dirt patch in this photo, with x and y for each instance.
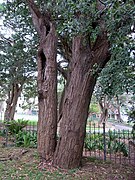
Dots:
(24, 165)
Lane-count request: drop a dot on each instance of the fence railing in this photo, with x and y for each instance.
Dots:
(11, 135)
(110, 144)
(101, 141)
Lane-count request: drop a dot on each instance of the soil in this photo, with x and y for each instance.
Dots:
(24, 163)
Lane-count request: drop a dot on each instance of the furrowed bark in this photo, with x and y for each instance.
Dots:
(47, 95)
(78, 93)
(47, 82)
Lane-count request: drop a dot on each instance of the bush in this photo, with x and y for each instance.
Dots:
(26, 139)
(95, 142)
(15, 126)
(3, 132)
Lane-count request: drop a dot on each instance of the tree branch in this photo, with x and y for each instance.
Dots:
(36, 15)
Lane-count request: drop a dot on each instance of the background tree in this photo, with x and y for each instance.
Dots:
(18, 63)
(118, 76)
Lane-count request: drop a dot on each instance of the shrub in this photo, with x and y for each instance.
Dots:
(26, 139)
(3, 132)
(95, 142)
(15, 126)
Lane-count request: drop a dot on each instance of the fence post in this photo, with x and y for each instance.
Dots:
(104, 141)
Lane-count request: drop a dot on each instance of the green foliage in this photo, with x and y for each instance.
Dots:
(94, 142)
(2, 133)
(94, 108)
(75, 16)
(15, 126)
(112, 135)
(18, 47)
(131, 114)
(118, 76)
(115, 145)
(26, 139)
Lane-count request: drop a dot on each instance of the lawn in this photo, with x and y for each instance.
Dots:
(24, 164)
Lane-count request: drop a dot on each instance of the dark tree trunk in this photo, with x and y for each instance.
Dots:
(12, 102)
(80, 84)
(47, 96)
(47, 82)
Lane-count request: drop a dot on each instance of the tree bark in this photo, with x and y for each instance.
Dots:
(118, 115)
(85, 64)
(78, 92)
(104, 105)
(47, 96)
(47, 82)
(12, 102)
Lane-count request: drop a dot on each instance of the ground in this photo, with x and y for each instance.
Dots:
(21, 163)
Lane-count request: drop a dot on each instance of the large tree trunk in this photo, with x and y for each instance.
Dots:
(47, 82)
(47, 95)
(78, 92)
(13, 96)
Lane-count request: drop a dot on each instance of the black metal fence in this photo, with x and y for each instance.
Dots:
(101, 142)
(18, 135)
(106, 144)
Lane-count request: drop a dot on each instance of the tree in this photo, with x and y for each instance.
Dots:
(89, 34)
(86, 62)
(47, 81)
(14, 74)
(18, 63)
(117, 77)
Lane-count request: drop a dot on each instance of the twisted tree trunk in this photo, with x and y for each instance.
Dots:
(47, 96)
(47, 82)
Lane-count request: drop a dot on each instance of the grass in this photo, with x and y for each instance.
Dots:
(26, 167)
